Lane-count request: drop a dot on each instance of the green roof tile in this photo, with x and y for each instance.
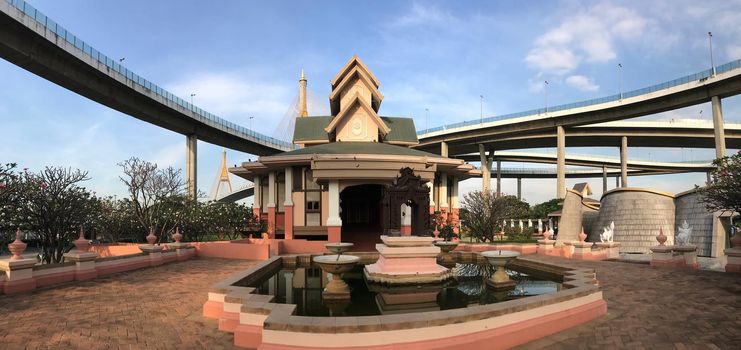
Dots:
(359, 148)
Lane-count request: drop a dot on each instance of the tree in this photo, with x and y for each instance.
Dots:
(542, 210)
(485, 212)
(9, 200)
(724, 192)
(117, 222)
(153, 193)
(53, 205)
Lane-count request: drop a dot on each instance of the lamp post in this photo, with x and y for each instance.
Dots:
(710, 41)
(482, 109)
(545, 88)
(191, 98)
(620, 79)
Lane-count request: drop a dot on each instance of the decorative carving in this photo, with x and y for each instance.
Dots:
(683, 234)
(607, 232)
(408, 189)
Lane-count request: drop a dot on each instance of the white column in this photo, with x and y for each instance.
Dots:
(720, 134)
(257, 196)
(443, 192)
(333, 217)
(560, 162)
(288, 187)
(271, 189)
(431, 185)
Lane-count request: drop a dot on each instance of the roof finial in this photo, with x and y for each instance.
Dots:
(302, 74)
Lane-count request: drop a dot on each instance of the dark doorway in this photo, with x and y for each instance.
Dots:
(361, 216)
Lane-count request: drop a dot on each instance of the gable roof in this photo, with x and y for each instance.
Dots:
(357, 100)
(354, 61)
(359, 148)
(363, 77)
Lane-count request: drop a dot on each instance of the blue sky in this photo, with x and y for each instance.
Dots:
(242, 59)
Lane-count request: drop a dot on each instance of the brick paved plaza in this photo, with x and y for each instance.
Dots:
(160, 308)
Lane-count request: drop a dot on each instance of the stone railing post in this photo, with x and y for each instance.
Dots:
(179, 247)
(18, 270)
(155, 251)
(661, 255)
(83, 259)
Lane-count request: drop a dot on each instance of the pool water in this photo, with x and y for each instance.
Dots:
(303, 287)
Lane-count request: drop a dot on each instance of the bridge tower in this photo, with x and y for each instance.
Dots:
(223, 178)
(303, 112)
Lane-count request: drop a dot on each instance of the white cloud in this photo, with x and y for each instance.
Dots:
(423, 15)
(582, 83)
(588, 35)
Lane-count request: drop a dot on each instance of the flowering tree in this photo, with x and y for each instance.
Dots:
(52, 204)
(724, 192)
(155, 195)
(9, 199)
(485, 212)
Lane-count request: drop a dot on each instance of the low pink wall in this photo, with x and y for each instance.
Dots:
(302, 246)
(526, 248)
(229, 250)
(115, 249)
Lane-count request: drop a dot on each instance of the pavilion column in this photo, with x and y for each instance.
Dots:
(720, 134)
(191, 167)
(624, 162)
(560, 162)
(257, 198)
(442, 196)
(271, 204)
(431, 186)
(334, 222)
(454, 206)
(288, 204)
(485, 170)
(519, 188)
(499, 178)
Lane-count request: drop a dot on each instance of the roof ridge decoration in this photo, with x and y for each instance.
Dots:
(356, 99)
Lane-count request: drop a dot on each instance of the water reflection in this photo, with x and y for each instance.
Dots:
(303, 286)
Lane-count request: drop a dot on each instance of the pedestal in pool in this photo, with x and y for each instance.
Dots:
(407, 260)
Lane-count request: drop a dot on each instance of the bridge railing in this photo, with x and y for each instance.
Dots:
(201, 115)
(616, 97)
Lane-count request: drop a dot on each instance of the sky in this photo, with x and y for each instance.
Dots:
(242, 60)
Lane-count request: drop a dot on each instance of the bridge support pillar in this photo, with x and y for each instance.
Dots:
(485, 168)
(720, 135)
(560, 162)
(191, 168)
(499, 178)
(519, 188)
(617, 181)
(444, 149)
(624, 162)
(604, 178)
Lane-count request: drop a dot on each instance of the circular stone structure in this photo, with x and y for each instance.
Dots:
(446, 246)
(339, 248)
(407, 260)
(336, 265)
(638, 214)
(498, 259)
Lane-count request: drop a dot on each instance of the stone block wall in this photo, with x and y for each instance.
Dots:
(690, 208)
(638, 214)
(570, 223)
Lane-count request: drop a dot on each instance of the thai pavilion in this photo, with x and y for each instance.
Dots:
(353, 176)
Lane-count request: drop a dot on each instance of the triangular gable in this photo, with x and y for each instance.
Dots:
(354, 61)
(364, 77)
(358, 100)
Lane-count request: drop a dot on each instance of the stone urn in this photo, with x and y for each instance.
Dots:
(499, 258)
(582, 235)
(17, 247)
(339, 248)
(81, 243)
(177, 236)
(547, 234)
(446, 246)
(736, 240)
(336, 265)
(661, 238)
(151, 237)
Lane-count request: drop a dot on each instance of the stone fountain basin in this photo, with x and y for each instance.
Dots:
(338, 248)
(407, 241)
(499, 257)
(446, 246)
(331, 263)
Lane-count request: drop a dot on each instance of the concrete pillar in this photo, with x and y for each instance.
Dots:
(271, 204)
(455, 206)
(288, 204)
(485, 170)
(499, 178)
(709, 178)
(519, 188)
(617, 181)
(444, 149)
(624, 162)
(720, 134)
(560, 162)
(604, 178)
(191, 167)
(442, 196)
(257, 198)
(334, 222)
